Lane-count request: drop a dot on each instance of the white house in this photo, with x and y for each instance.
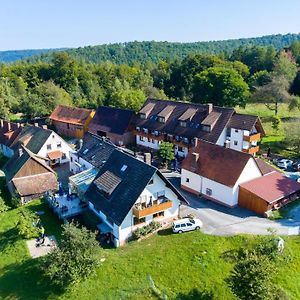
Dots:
(182, 123)
(127, 194)
(216, 172)
(44, 143)
(93, 152)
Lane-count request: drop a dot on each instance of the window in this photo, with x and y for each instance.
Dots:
(180, 149)
(149, 140)
(151, 181)
(49, 147)
(58, 145)
(64, 156)
(235, 143)
(71, 159)
(141, 138)
(189, 224)
(161, 119)
(142, 116)
(159, 214)
(183, 225)
(206, 128)
(208, 192)
(68, 125)
(137, 221)
(182, 123)
(53, 136)
(236, 130)
(187, 180)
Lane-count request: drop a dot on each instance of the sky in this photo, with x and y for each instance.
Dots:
(38, 24)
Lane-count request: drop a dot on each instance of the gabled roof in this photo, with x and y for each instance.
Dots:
(95, 150)
(194, 114)
(15, 163)
(9, 132)
(217, 163)
(71, 115)
(133, 176)
(245, 122)
(272, 187)
(32, 137)
(111, 120)
(35, 184)
(264, 167)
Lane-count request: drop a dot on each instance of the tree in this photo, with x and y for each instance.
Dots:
(259, 78)
(25, 224)
(292, 136)
(166, 152)
(251, 277)
(221, 86)
(3, 206)
(276, 123)
(75, 259)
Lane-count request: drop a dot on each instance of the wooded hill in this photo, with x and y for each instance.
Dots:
(142, 52)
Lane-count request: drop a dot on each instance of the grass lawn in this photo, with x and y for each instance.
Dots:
(186, 266)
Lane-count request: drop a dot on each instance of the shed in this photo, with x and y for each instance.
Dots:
(268, 192)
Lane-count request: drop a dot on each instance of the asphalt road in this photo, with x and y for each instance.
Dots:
(220, 220)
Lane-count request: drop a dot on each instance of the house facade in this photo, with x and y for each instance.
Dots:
(127, 194)
(44, 143)
(71, 121)
(28, 176)
(114, 124)
(182, 123)
(216, 172)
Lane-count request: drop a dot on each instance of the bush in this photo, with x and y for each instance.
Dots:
(3, 206)
(25, 224)
(15, 201)
(143, 231)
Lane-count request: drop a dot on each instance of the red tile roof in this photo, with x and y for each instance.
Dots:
(217, 163)
(272, 187)
(72, 115)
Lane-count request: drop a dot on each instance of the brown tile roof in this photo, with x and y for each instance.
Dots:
(211, 119)
(193, 128)
(72, 115)
(111, 120)
(35, 184)
(272, 187)
(55, 154)
(188, 114)
(264, 167)
(9, 132)
(217, 163)
(166, 112)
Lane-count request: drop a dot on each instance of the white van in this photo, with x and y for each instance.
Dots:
(186, 224)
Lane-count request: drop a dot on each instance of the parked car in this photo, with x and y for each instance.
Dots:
(296, 166)
(186, 224)
(284, 163)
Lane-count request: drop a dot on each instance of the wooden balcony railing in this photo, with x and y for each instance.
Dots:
(142, 212)
(252, 137)
(251, 150)
(160, 137)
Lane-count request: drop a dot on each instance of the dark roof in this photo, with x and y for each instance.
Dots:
(112, 120)
(8, 132)
(133, 179)
(35, 184)
(95, 150)
(217, 163)
(264, 167)
(272, 187)
(72, 115)
(32, 137)
(15, 163)
(244, 122)
(193, 113)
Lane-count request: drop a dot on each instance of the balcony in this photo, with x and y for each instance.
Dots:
(251, 150)
(141, 212)
(149, 135)
(252, 137)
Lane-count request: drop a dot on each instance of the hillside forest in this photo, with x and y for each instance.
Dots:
(248, 74)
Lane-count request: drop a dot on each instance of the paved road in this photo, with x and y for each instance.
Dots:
(219, 220)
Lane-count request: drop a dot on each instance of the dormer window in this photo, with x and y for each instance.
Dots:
(138, 129)
(206, 128)
(142, 115)
(182, 123)
(161, 120)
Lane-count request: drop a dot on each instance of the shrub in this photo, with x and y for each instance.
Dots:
(25, 224)
(143, 231)
(3, 206)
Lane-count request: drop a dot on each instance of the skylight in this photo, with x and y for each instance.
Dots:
(124, 167)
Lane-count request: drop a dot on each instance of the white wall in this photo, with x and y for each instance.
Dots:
(222, 138)
(54, 139)
(195, 180)
(74, 168)
(154, 144)
(236, 136)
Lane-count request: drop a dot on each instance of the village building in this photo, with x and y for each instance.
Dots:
(8, 133)
(71, 121)
(128, 194)
(44, 143)
(114, 124)
(182, 123)
(28, 176)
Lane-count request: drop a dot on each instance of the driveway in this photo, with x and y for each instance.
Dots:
(220, 220)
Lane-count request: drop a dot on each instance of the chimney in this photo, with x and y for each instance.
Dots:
(195, 142)
(18, 125)
(44, 126)
(8, 126)
(1, 123)
(147, 158)
(195, 157)
(20, 150)
(80, 144)
(209, 108)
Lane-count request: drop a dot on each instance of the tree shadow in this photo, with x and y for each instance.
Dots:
(166, 231)
(26, 280)
(8, 238)
(195, 294)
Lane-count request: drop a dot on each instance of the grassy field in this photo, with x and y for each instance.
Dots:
(274, 139)
(187, 266)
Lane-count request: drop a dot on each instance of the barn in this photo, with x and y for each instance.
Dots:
(272, 191)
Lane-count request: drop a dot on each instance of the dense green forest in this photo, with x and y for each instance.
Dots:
(145, 52)
(252, 73)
